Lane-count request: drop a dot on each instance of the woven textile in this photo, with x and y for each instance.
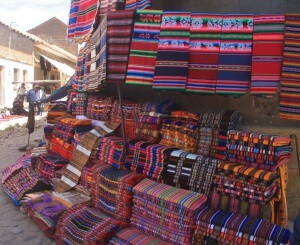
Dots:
(166, 212)
(119, 32)
(138, 4)
(234, 68)
(84, 225)
(268, 36)
(290, 88)
(204, 49)
(131, 236)
(62, 148)
(99, 107)
(171, 67)
(112, 192)
(81, 18)
(106, 6)
(78, 82)
(77, 102)
(190, 171)
(147, 158)
(95, 63)
(219, 227)
(143, 48)
(164, 107)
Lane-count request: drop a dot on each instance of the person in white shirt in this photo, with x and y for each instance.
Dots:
(21, 92)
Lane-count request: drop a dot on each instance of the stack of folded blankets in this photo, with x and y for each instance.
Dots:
(48, 164)
(77, 103)
(112, 192)
(99, 107)
(242, 189)
(86, 178)
(166, 212)
(180, 131)
(148, 158)
(150, 120)
(190, 171)
(85, 225)
(223, 227)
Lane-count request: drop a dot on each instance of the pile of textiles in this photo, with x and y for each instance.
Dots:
(58, 109)
(85, 225)
(220, 227)
(147, 158)
(99, 107)
(47, 165)
(166, 212)
(180, 130)
(45, 211)
(111, 151)
(131, 236)
(24, 181)
(150, 120)
(242, 189)
(72, 198)
(48, 130)
(86, 179)
(261, 151)
(112, 192)
(77, 103)
(190, 171)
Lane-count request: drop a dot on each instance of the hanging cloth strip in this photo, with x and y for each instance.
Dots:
(267, 54)
(78, 82)
(205, 35)
(143, 48)
(290, 85)
(234, 69)
(171, 67)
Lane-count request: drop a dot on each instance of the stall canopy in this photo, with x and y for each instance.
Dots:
(60, 66)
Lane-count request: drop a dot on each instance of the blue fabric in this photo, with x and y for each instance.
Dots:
(295, 238)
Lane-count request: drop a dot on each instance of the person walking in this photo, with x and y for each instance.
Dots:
(34, 97)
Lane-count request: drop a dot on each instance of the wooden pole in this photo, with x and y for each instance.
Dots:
(123, 120)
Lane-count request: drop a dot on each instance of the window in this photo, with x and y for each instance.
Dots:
(25, 75)
(16, 75)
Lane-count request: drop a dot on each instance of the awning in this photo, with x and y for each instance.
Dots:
(61, 66)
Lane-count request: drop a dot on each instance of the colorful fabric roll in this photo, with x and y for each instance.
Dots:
(112, 192)
(131, 236)
(190, 171)
(119, 32)
(289, 93)
(143, 48)
(220, 227)
(204, 50)
(138, 4)
(81, 18)
(84, 225)
(99, 107)
(156, 204)
(234, 68)
(95, 63)
(268, 34)
(171, 67)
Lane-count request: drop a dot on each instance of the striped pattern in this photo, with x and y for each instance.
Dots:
(204, 49)
(290, 85)
(234, 69)
(171, 67)
(137, 4)
(107, 6)
(143, 48)
(78, 82)
(267, 54)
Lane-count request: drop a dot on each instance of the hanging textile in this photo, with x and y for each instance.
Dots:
(79, 82)
(173, 52)
(137, 4)
(290, 85)
(119, 32)
(267, 54)
(234, 69)
(107, 6)
(204, 53)
(143, 48)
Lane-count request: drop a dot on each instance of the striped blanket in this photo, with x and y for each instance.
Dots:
(137, 4)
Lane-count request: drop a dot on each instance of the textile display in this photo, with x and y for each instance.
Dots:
(95, 62)
(77, 103)
(137, 4)
(86, 179)
(62, 148)
(112, 192)
(289, 100)
(163, 107)
(261, 151)
(119, 32)
(47, 165)
(143, 48)
(156, 204)
(147, 158)
(204, 50)
(106, 6)
(131, 236)
(190, 171)
(79, 159)
(81, 18)
(78, 82)
(268, 34)
(221, 227)
(84, 225)
(234, 68)
(99, 107)
(171, 67)
(72, 198)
